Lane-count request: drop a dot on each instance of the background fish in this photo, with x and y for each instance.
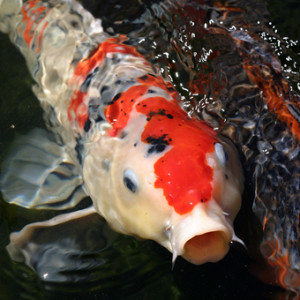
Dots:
(249, 91)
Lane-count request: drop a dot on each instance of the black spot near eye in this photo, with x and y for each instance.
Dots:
(130, 180)
(156, 148)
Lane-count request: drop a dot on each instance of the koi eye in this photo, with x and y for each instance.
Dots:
(222, 154)
(130, 180)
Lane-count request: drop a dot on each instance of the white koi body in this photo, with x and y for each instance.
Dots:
(150, 170)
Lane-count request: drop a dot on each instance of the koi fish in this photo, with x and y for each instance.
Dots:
(151, 170)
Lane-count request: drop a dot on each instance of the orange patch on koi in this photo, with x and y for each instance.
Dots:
(188, 182)
(30, 17)
(78, 108)
(39, 38)
(111, 45)
(117, 113)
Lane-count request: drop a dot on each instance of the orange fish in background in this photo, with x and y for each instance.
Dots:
(262, 115)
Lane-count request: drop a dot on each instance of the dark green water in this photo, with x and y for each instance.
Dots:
(132, 269)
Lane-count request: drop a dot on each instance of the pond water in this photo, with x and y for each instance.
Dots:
(175, 41)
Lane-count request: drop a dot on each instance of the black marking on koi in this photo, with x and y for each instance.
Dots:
(74, 24)
(158, 140)
(156, 148)
(103, 89)
(115, 59)
(99, 119)
(161, 112)
(116, 97)
(125, 81)
(87, 125)
(79, 148)
(144, 78)
(85, 85)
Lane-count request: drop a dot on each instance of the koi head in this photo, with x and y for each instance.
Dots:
(154, 172)
(168, 178)
(203, 229)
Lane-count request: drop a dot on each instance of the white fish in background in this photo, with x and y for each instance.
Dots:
(150, 170)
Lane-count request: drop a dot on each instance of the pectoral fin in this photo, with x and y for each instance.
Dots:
(63, 248)
(39, 173)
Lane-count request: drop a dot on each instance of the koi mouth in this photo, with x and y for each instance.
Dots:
(202, 236)
(207, 247)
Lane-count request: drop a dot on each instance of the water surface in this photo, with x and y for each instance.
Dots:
(127, 268)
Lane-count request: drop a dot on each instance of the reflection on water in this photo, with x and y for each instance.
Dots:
(207, 71)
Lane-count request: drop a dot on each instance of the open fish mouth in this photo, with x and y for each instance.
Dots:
(207, 247)
(202, 236)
